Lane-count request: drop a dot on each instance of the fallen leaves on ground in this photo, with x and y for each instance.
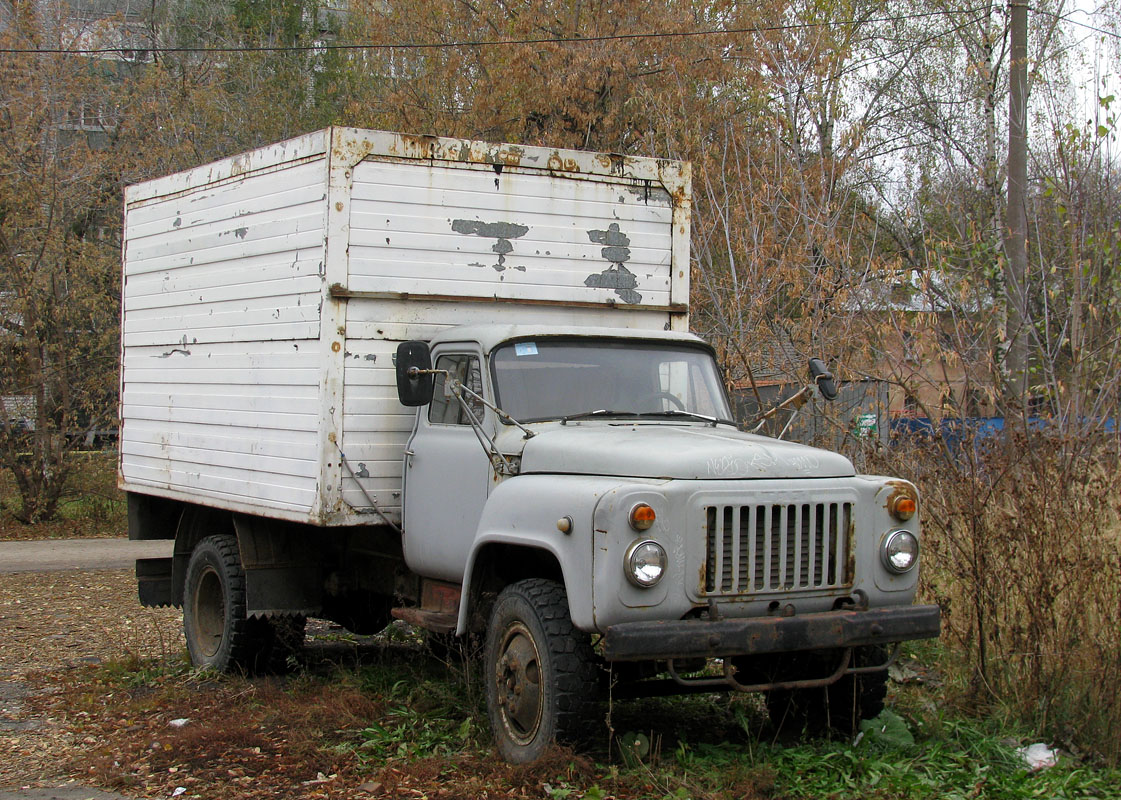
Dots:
(98, 691)
(57, 624)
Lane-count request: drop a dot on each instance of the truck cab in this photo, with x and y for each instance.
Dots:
(595, 477)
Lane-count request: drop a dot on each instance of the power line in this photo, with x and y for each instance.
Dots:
(478, 43)
(1069, 18)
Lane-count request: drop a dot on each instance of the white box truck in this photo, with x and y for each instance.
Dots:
(368, 375)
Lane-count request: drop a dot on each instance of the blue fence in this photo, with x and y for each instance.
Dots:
(955, 430)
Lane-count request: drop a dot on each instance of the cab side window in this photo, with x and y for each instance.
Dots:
(445, 409)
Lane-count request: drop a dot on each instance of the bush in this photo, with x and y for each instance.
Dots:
(1023, 553)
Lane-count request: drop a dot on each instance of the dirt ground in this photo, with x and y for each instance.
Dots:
(64, 724)
(53, 622)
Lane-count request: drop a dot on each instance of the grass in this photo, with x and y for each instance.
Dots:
(92, 506)
(956, 758)
(391, 720)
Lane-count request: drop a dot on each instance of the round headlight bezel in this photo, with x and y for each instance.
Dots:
(634, 569)
(899, 543)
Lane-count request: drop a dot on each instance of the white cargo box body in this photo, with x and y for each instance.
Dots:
(265, 295)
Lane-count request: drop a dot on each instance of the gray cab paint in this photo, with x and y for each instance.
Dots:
(674, 449)
(595, 470)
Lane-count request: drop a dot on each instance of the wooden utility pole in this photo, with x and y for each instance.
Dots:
(1016, 217)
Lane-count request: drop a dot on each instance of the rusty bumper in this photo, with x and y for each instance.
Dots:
(640, 641)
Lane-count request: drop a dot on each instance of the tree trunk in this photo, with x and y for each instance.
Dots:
(1016, 219)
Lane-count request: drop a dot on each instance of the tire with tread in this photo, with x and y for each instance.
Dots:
(218, 634)
(540, 672)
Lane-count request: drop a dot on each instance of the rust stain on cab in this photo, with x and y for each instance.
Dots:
(901, 489)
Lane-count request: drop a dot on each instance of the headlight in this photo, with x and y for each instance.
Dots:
(645, 563)
(900, 551)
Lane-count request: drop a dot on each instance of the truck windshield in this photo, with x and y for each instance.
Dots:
(557, 378)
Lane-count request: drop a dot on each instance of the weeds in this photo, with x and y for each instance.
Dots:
(1023, 554)
(966, 759)
(90, 505)
(418, 721)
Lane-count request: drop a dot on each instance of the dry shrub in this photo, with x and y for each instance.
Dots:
(1023, 553)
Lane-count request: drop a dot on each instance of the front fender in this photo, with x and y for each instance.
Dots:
(523, 511)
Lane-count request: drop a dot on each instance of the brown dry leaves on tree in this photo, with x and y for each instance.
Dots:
(545, 86)
(58, 301)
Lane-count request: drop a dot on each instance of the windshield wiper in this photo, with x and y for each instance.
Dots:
(673, 412)
(599, 412)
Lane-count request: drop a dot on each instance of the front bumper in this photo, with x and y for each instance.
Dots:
(642, 641)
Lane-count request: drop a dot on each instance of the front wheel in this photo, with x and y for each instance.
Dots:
(541, 679)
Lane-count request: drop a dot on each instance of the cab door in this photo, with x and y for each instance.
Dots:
(447, 472)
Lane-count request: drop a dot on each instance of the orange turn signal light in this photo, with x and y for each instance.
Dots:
(642, 517)
(903, 508)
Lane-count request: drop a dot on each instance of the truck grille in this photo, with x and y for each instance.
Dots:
(777, 547)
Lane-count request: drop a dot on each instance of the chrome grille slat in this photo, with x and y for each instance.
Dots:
(776, 547)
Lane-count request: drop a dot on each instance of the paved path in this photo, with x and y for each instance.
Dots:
(52, 555)
(67, 792)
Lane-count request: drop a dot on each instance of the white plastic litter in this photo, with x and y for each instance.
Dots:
(1038, 756)
(178, 723)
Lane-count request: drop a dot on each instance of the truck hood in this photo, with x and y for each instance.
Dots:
(686, 452)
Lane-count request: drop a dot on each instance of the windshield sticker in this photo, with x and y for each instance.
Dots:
(525, 349)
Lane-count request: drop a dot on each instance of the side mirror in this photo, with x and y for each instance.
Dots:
(823, 378)
(414, 386)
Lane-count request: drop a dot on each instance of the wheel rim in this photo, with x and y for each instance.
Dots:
(519, 680)
(208, 622)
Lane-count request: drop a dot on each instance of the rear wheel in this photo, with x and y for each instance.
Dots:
(541, 679)
(218, 634)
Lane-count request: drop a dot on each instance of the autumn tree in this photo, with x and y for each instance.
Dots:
(58, 253)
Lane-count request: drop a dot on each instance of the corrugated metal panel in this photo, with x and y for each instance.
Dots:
(375, 425)
(418, 319)
(210, 263)
(236, 423)
(239, 487)
(221, 361)
(468, 231)
(255, 162)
